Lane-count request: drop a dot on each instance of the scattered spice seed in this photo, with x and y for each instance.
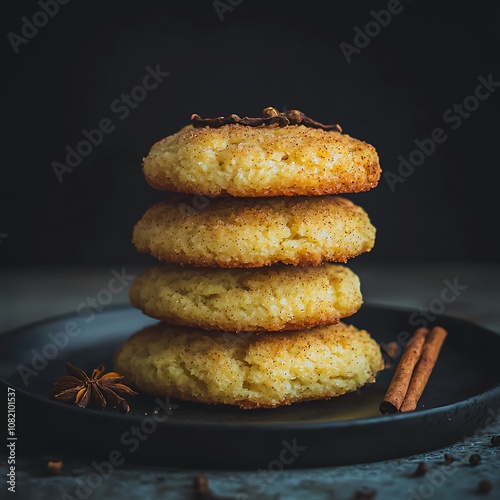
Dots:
(391, 349)
(54, 466)
(475, 459)
(365, 494)
(449, 458)
(202, 490)
(422, 469)
(201, 487)
(495, 440)
(484, 486)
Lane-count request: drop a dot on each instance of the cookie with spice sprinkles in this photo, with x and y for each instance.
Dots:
(279, 154)
(253, 370)
(254, 232)
(271, 298)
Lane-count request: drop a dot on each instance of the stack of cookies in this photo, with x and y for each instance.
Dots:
(250, 295)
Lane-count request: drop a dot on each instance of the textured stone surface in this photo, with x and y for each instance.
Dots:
(390, 479)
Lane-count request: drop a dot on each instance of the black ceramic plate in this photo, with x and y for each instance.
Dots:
(463, 394)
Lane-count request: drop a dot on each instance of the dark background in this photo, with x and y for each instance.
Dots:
(284, 54)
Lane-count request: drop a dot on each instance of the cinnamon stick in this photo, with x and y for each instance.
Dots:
(423, 370)
(400, 382)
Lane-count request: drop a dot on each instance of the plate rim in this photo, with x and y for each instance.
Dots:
(493, 392)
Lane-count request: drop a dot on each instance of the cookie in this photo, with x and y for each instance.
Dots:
(252, 370)
(244, 161)
(272, 298)
(254, 232)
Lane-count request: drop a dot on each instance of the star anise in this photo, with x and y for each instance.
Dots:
(100, 388)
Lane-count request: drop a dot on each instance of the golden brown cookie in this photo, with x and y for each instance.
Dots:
(253, 370)
(272, 298)
(255, 232)
(265, 161)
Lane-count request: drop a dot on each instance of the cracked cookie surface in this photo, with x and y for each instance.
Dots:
(254, 232)
(269, 161)
(253, 370)
(272, 298)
